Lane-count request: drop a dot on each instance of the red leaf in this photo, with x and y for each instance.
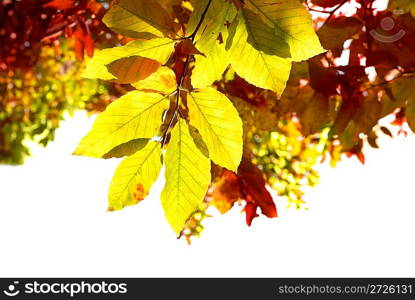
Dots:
(79, 43)
(60, 4)
(89, 45)
(83, 43)
(347, 112)
(254, 186)
(326, 3)
(186, 47)
(324, 80)
(250, 185)
(226, 191)
(94, 6)
(250, 211)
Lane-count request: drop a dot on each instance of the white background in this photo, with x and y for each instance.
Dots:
(53, 222)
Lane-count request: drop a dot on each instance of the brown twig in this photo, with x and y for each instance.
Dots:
(183, 75)
(334, 11)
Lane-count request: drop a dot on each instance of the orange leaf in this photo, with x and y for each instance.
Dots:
(83, 43)
(186, 47)
(226, 192)
(133, 69)
(60, 4)
(254, 186)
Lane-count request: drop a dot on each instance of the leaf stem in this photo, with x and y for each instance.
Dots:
(402, 74)
(182, 76)
(164, 137)
(334, 11)
(202, 18)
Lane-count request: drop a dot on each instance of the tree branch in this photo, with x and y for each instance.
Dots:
(202, 18)
(334, 11)
(183, 75)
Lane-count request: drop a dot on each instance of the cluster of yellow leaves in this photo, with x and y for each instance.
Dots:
(288, 159)
(259, 39)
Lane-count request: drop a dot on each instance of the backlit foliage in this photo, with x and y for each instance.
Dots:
(226, 98)
(32, 103)
(43, 45)
(190, 124)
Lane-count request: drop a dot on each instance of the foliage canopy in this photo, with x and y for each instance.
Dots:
(259, 40)
(228, 95)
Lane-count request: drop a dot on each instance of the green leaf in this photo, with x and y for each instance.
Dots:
(199, 142)
(210, 67)
(389, 102)
(134, 177)
(258, 68)
(350, 136)
(129, 58)
(133, 116)
(139, 19)
(127, 149)
(187, 177)
(410, 114)
(219, 124)
(315, 114)
(369, 113)
(292, 22)
(403, 90)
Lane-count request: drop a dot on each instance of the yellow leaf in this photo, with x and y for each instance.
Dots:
(199, 7)
(134, 115)
(164, 81)
(139, 19)
(134, 177)
(171, 6)
(158, 50)
(219, 124)
(263, 37)
(292, 22)
(210, 67)
(258, 68)
(187, 177)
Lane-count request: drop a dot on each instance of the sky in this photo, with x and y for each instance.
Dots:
(54, 222)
